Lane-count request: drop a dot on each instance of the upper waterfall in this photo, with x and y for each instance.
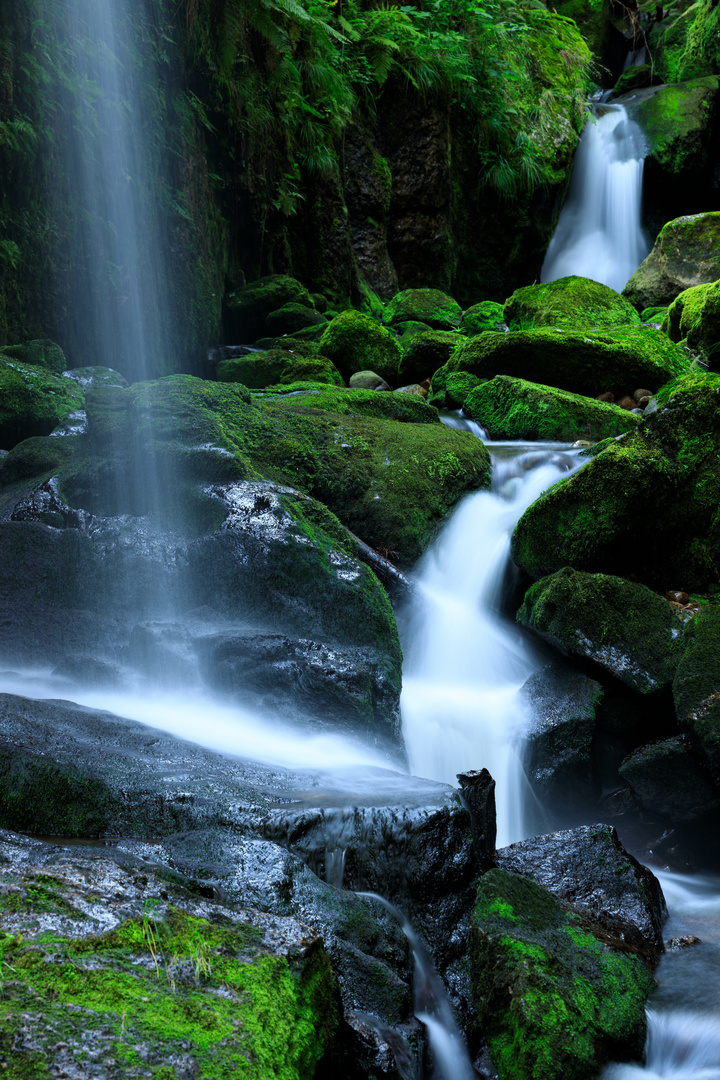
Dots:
(599, 234)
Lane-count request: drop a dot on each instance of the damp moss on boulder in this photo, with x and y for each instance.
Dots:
(450, 389)
(248, 308)
(262, 369)
(589, 362)
(694, 317)
(696, 689)
(554, 1001)
(40, 352)
(431, 306)
(356, 342)
(675, 121)
(622, 626)
(685, 253)
(487, 315)
(33, 401)
(515, 409)
(424, 353)
(645, 506)
(573, 303)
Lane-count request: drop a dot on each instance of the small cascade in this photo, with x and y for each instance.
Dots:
(464, 662)
(599, 234)
(432, 1008)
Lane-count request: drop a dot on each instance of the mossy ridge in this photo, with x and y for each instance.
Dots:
(172, 983)
(516, 409)
(553, 999)
(588, 363)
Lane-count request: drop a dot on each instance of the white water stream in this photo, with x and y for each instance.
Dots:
(599, 234)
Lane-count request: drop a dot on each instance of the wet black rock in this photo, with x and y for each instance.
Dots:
(670, 778)
(588, 868)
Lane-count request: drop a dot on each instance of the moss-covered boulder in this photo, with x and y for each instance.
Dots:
(33, 401)
(646, 505)
(40, 352)
(247, 308)
(553, 1000)
(684, 43)
(515, 409)
(694, 317)
(620, 625)
(696, 689)
(676, 121)
(430, 306)
(424, 353)
(146, 978)
(487, 315)
(261, 369)
(686, 253)
(290, 318)
(355, 342)
(636, 77)
(573, 303)
(449, 389)
(590, 363)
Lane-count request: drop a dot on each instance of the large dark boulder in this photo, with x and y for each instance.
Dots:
(669, 778)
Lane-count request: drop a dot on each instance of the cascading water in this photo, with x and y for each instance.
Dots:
(599, 234)
(464, 663)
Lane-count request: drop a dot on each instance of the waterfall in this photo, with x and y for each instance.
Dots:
(599, 234)
(464, 662)
(119, 290)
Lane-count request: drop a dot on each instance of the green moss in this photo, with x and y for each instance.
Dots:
(170, 984)
(553, 1000)
(674, 121)
(487, 315)
(355, 342)
(430, 306)
(696, 689)
(262, 369)
(694, 317)
(515, 409)
(424, 353)
(574, 303)
(450, 389)
(588, 363)
(40, 353)
(33, 401)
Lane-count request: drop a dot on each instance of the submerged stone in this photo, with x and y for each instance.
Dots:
(621, 626)
(573, 303)
(511, 408)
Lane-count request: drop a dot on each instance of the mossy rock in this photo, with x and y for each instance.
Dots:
(675, 122)
(573, 303)
(41, 352)
(622, 626)
(686, 46)
(636, 77)
(487, 315)
(424, 353)
(553, 1001)
(515, 409)
(694, 317)
(654, 315)
(696, 689)
(450, 389)
(355, 342)
(685, 254)
(290, 318)
(589, 19)
(33, 401)
(261, 369)
(644, 506)
(248, 308)
(430, 306)
(588, 363)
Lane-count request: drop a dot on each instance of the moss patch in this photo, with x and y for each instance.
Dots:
(33, 401)
(574, 303)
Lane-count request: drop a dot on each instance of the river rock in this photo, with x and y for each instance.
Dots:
(424, 353)
(645, 505)
(590, 870)
(573, 303)
(696, 688)
(667, 777)
(694, 317)
(143, 971)
(367, 380)
(560, 705)
(487, 315)
(509, 408)
(292, 317)
(431, 306)
(619, 625)
(355, 342)
(686, 253)
(248, 307)
(553, 999)
(589, 362)
(273, 366)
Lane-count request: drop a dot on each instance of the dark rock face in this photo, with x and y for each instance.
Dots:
(560, 703)
(667, 777)
(588, 868)
(696, 688)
